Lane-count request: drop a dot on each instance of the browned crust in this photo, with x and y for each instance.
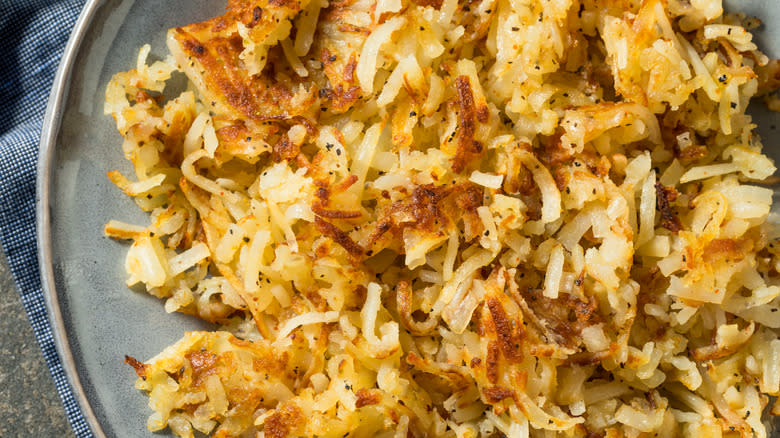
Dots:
(212, 49)
(495, 394)
(203, 364)
(219, 58)
(235, 139)
(367, 397)
(491, 362)
(334, 214)
(565, 316)
(345, 183)
(468, 197)
(726, 250)
(349, 68)
(382, 226)
(433, 208)
(338, 236)
(272, 363)
(320, 205)
(344, 91)
(483, 114)
(467, 147)
(664, 196)
(404, 303)
(712, 352)
(324, 190)
(423, 205)
(257, 15)
(291, 4)
(435, 3)
(586, 358)
(509, 339)
(285, 419)
(284, 149)
(351, 28)
(139, 367)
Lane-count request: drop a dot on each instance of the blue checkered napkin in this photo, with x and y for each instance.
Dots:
(33, 34)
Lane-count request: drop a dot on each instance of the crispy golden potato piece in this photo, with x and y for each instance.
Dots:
(227, 59)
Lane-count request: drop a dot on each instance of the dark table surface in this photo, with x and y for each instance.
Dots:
(29, 404)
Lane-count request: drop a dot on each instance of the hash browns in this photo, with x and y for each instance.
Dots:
(453, 218)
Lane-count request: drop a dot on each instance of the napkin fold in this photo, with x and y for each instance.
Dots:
(33, 35)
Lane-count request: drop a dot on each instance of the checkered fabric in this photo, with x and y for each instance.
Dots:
(33, 34)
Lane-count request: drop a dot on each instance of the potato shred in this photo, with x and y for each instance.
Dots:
(527, 218)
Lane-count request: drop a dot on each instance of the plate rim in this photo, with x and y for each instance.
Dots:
(50, 129)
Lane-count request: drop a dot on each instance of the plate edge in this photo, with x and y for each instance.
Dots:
(50, 128)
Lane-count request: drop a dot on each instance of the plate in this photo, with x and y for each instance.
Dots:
(96, 319)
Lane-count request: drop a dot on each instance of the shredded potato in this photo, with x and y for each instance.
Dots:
(527, 218)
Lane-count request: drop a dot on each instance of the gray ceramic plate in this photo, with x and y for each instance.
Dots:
(96, 319)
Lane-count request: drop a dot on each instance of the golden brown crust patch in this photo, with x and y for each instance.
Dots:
(338, 236)
(432, 210)
(509, 337)
(564, 316)
(367, 397)
(203, 364)
(284, 149)
(495, 394)
(258, 98)
(726, 250)
(492, 361)
(468, 147)
(435, 3)
(285, 419)
(664, 197)
(139, 367)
